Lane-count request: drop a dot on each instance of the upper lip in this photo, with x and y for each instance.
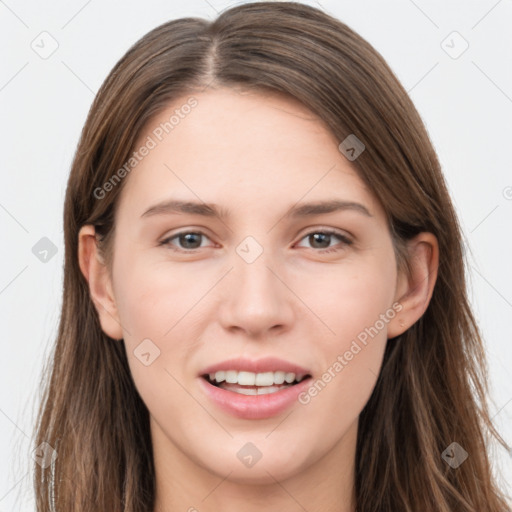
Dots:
(266, 364)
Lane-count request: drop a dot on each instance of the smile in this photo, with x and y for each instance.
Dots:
(252, 402)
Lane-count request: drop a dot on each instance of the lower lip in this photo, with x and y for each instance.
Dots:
(254, 407)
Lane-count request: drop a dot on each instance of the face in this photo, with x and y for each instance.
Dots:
(311, 289)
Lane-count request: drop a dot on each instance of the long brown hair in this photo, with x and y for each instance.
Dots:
(432, 388)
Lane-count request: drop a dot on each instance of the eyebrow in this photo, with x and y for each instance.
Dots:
(212, 210)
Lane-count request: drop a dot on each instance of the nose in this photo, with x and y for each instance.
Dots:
(257, 300)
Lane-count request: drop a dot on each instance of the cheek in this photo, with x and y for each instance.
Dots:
(355, 306)
(153, 298)
(152, 306)
(151, 312)
(349, 298)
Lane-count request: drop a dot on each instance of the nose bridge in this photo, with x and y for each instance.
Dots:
(257, 299)
(255, 283)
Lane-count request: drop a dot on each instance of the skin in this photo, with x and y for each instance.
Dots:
(257, 155)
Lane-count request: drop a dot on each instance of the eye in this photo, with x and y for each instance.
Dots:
(190, 239)
(324, 237)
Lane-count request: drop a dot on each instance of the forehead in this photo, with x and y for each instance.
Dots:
(246, 148)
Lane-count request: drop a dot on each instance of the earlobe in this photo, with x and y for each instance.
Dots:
(100, 287)
(414, 291)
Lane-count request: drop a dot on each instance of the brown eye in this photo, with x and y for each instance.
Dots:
(321, 239)
(187, 240)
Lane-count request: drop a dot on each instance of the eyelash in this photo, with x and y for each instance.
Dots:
(344, 239)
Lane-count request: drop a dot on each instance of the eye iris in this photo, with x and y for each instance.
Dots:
(188, 238)
(323, 237)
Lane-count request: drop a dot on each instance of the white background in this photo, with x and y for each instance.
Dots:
(466, 104)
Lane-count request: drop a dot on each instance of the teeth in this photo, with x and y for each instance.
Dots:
(255, 379)
(231, 377)
(264, 379)
(279, 377)
(261, 391)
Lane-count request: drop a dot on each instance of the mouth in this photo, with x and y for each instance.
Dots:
(249, 383)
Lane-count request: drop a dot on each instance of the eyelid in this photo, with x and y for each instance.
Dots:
(327, 229)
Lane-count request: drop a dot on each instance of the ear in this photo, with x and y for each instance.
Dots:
(414, 291)
(100, 287)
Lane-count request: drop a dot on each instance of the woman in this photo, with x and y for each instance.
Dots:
(264, 298)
